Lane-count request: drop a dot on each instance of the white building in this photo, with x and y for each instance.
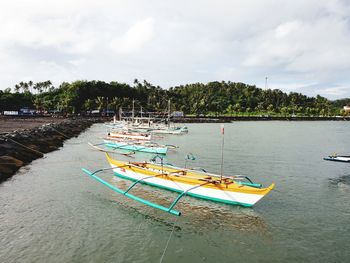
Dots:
(346, 108)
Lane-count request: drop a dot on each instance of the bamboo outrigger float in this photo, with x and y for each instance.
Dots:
(230, 190)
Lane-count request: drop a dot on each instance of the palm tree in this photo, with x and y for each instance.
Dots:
(17, 88)
(25, 87)
(46, 85)
(115, 103)
(89, 104)
(30, 84)
(39, 87)
(100, 102)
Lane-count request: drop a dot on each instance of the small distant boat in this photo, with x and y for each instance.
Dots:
(130, 136)
(176, 130)
(146, 147)
(230, 190)
(338, 158)
(115, 124)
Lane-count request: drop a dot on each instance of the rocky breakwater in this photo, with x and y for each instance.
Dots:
(20, 147)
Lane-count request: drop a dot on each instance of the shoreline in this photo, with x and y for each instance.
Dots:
(227, 119)
(24, 143)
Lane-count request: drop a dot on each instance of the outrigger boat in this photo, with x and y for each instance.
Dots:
(112, 125)
(115, 124)
(235, 190)
(130, 136)
(338, 158)
(147, 147)
(175, 130)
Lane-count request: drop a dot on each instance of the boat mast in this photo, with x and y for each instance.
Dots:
(133, 108)
(222, 151)
(168, 114)
(107, 108)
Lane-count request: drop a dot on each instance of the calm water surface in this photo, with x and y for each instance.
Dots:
(52, 212)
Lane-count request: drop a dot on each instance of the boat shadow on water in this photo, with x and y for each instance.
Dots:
(198, 216)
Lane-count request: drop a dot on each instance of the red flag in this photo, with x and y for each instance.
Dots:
(222, 129)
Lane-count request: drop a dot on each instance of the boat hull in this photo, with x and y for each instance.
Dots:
(343, 159)
(135, 147)
(130, 136)
(176, 131)
(217, 194)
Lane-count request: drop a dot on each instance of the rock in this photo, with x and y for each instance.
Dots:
(8, 166)
(11, 161)
(23, 146)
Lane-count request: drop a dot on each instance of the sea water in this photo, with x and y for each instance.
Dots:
(50, 211)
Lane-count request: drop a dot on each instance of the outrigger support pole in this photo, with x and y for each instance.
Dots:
(184, 193)
(136, 198)
(141, 180)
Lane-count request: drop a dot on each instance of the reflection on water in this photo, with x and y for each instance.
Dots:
(197, 215)
(217, 216)
(341, 181)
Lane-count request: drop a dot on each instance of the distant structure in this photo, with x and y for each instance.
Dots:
(177, 114)
(346, 108)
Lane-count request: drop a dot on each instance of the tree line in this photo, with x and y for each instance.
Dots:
(213, 98)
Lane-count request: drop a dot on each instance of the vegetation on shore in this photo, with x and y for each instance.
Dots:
(213, 98)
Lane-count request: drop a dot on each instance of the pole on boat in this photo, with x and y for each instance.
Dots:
(222, 151)
(107, 108)
(133, 109)
(168, 114)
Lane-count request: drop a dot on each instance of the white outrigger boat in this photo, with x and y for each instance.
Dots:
(235, 190)
(115, 124)
(154, 124)
(130, 136)
(175, 130)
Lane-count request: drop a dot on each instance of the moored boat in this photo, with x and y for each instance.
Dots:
(338, 158)
(146, 147)
(130, 136)
(175, 130)
(112, 125)
(230, 190)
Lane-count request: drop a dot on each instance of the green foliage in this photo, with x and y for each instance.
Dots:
(213, 98)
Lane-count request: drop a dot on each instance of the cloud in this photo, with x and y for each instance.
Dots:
(135, 38)
(304, 46)
(300, 45)
(334, 92)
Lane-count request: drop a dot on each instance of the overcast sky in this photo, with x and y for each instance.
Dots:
(301, 45)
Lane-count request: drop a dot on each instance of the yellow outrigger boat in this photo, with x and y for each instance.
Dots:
(236, 190)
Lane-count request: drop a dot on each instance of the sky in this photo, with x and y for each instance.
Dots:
(299, 45)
